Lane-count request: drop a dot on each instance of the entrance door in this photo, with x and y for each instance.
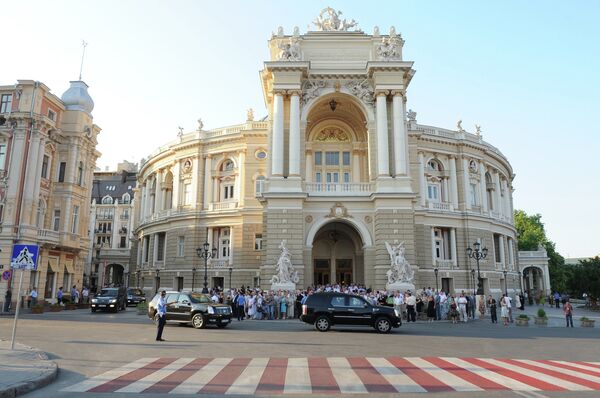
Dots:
(322, 272)
(218, 281)
(179, 281)
(446, 285)
(343, 269)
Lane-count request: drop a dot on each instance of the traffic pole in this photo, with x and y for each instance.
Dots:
(14, 331)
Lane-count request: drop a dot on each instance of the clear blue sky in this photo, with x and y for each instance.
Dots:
(528, 72)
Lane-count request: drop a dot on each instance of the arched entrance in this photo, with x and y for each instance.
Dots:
(114, 275)
(337, 255)
(534, 283)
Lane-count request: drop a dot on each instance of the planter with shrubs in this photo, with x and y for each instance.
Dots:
(142, 308)
(37, 309)
(522, 320)
(541, 318)
(587, 322)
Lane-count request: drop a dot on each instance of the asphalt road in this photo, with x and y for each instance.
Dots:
(85, 344)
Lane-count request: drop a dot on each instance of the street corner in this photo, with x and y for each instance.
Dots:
(24, 369)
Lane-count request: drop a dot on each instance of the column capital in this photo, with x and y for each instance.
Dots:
(380, 92)
(278, 92)
(291, 93)
(450, 157)
(398, 93)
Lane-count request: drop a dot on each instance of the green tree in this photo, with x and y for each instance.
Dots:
(532, 235)
(585, 278)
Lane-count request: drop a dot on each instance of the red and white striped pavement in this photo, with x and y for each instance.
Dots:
(341, 375)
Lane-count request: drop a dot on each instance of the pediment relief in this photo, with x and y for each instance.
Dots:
(332, 134)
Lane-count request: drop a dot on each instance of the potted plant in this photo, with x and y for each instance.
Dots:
(37, 309)
(522, 320)
(142, 308)
(587, 322)
(541, 318)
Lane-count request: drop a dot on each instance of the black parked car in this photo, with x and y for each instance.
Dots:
(110, 298)
(326, 309)
(191, 307)
(135, 296)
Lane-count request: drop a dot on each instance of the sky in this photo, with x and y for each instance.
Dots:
(527, 72)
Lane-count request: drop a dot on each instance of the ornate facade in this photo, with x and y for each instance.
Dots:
(338, 170)
(47, 157)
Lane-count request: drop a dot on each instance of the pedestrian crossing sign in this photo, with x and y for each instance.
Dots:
(24, 257)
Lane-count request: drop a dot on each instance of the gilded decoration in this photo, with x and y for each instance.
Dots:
(332, 134)
(338, 211)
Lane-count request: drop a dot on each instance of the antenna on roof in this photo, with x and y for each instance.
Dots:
(84, 44)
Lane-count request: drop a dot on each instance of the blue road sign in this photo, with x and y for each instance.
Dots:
(24, 257)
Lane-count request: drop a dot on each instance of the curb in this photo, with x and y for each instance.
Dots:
(22, 388)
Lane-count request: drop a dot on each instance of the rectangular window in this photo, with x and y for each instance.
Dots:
(146, 248)
(346, 178)
(2, 156)
(6, 103)
(228, 192)
(45, 162)
(346, 158)
(51, 115)
(258, 242)
(75, 219)
(318, 178)
(333, 178)
(80, 174)
(160, 246)
(318, 159)
(123, 243)
(62, 168)
(56, 221)
(332, 158)
(187, 194)
(180, 246)
(497, 248)
(473, 194)
(433, 192)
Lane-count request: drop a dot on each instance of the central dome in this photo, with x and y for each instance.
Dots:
(76, 98)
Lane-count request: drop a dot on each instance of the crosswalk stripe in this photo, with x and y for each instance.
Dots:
(546, 369)
(155, 377)
(447, 378)
(352, 375)
(519, 367)
(199, 379)
(592, 364)
(96, 381)
(297, 377)
(489, 372)
(346, 379)
(398, 379)
(248, 380)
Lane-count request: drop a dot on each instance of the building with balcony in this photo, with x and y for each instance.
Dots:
(338, 168)
(47, 157)
(111, 221)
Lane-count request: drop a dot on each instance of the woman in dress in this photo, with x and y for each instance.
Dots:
(453, 309)
(517, 301)
(283, 308)
(430, 309)
(504, 310)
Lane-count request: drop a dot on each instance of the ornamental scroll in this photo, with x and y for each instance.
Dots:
(332, 134)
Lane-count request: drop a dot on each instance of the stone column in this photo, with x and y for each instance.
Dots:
(506, 201)
(14, 170)
(242, 178)
(142, 200)
(383, 158)
(400, 135)
(175, 201)
(467, 183)
(501, 249)
(216, 195)
(158, 194)
(294, 143)
(209, 239)
(453, 253)
(31, 174)
(309, 166)
(453, 182)
(422, 184)
(497, 197)
(483, 188)
(445, 197)
(148, 197)
(207, 181)
(433, 257)
(355, 166)
(277, 150)
(511, 254)
(195, 181)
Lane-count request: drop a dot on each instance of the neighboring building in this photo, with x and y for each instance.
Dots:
(47, 157)
(336, 171)
(534, 268)
(111, 226)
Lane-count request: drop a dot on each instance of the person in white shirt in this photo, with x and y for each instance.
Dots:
(33, 296)
(411, 302)
(462, 307)
(509, 307)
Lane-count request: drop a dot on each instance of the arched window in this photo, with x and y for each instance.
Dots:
(107, 200)
(259, 185)
(126, 198)
(227, 165)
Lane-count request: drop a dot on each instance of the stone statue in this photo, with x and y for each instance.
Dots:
(200, 125)
(285, 269)
(376, 31)
(250, 115)
(290, 50)
(390, 49)
(180, 134)
(280, 31)
(362, 90)
(311, 89)
(459, 126)
(329, 20)
(296, 31)
(412, 115)
(478, 129)
(400, 270)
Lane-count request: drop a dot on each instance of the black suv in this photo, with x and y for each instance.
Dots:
(191, 307)
(110, 298)
(135, 296)
(326, 309)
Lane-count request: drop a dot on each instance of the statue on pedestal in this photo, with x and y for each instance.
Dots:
(400, 275)
(286, 277)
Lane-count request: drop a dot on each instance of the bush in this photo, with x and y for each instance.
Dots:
(541, 313)
(142, 306)
(584, 319)
(523, 316)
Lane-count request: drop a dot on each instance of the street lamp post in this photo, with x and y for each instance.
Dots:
(206, 254)
(435, 271)
(137, 276)
(504, 271)
(473, 280)
(478, 254)
(230, 271)
(157, 280)
(193, 277)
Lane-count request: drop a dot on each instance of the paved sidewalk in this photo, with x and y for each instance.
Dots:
(23, 370)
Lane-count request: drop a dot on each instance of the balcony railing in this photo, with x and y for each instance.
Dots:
(216, 206)
(48, 235)
(444, 264)
(334, 189)
(440, 206)
(219, 262)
